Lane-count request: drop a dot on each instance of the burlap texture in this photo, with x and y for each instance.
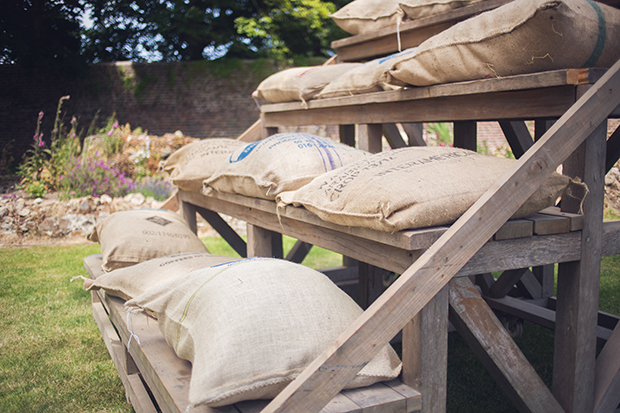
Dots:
(299, 83)
(411, 188)
(131, 237)
(193, 163)
(417, 9)
(364, 79)
(365, 16)
(524, 36)
(250, 327)
(282, 162)
(130, 282)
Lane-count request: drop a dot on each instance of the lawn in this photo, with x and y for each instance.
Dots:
(52, 357)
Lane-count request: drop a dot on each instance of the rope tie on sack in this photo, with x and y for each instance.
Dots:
(132, 334)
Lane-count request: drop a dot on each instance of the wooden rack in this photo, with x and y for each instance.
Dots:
(444, 256)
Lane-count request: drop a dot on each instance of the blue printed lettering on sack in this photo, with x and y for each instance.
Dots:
(245, 151)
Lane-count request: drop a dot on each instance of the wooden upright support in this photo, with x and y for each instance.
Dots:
(416, 286)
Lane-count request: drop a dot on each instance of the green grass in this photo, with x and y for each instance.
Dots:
(52, 357)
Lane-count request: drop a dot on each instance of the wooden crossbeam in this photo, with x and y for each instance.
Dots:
(333, 369)
(482, 331)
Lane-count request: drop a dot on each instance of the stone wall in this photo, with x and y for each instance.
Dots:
(201, 99)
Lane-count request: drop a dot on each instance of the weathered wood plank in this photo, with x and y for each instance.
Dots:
(613, 150)
(465, 135)
(578, 283)
(576, 220)
(607, 375)
(517, 135)
(377, 398)
(251, 134)
(393, 136)
(422, 106)
(545, 224)
(516, 228)
(217, 222)
(494, 347)
(502, 286)
(263, 243)
(425, 353)
(299, 252)
(134, 389)
(318, 383)
(370, 137)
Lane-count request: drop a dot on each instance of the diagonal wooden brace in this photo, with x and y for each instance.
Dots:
(333, 369)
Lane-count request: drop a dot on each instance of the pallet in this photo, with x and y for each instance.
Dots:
(155, 379)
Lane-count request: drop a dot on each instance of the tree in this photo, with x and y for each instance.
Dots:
(41, 34)
(174, 30)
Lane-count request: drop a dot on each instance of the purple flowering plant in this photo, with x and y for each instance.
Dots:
(94, 177)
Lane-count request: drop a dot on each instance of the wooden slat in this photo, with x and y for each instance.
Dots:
(251, 134)
(134, 389)
(506, 282)
(492, 344)
(377, 398)
(548, 81)
(607, 375)
(576, 220)
(217, 222)
(536, 314)
(516, 228)
(545, 224)
(299, 252)
(425, 353)
(318, 383)
(613, 150)
(517, 135)
(414, 400)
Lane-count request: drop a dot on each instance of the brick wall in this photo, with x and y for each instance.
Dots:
(201, 99)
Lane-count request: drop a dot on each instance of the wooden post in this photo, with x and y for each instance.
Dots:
(347, 134)
(328, 373)
(263, 243)
(189, 214)
(578, 283)
(465, 135)
(369, 137)
(415, 133)
(425, 353)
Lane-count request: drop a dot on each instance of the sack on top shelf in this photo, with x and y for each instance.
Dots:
(252, 326)
(282, 162)
(193, 163)
(524, 36)
(410, 188)
(364, 79)
(299, 83)
(131, 237)
(365, 16)
(417, 9)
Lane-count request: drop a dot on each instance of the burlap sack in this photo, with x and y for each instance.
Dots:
(365, 16)
(524, 36)
(193, 163)
(250, 327)
(282, 162)
(417, 9)
(364, 79)
(131, 237)
(130, 282)
(299, 83)
(411, 188)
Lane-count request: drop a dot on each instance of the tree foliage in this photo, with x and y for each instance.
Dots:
(41, 34)
(50, 33)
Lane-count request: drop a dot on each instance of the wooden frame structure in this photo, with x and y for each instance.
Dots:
(433, 263)
(444, 272)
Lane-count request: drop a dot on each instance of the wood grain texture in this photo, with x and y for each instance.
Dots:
(492, 344)
(607, 375)
(433, 270)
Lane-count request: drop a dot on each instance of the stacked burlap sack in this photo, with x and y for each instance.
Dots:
(249, 327)
(524, 36)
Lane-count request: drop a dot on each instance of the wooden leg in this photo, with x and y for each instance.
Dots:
(425, 353)
(607, 375)
(492, 344)
(415, 133)
(370, 283)
(189, 214)
(347, 134)
(369, 137)
(517, 135)
(613, 150)
(263, 243)
(465, 135)
(578, 284)
(393, 136)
